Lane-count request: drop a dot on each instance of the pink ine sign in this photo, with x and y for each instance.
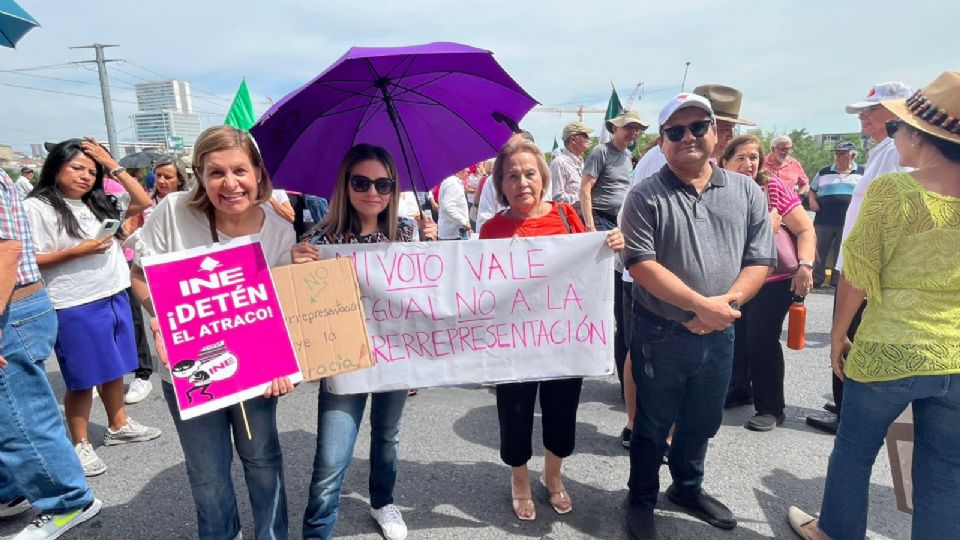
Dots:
(221, 323)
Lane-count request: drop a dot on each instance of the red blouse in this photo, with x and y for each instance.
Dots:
(502, 226)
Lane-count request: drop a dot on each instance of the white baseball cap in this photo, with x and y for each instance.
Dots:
(880, 92)
(682, 101)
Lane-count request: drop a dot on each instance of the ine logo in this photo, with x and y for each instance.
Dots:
(209, 264)
(215, 363)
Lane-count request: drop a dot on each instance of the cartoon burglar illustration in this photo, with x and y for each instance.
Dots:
(215, 363)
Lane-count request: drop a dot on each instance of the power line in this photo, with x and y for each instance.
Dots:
(47, 77)
(63, 93)
(51, 66)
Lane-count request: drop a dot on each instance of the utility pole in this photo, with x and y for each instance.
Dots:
(104, 93)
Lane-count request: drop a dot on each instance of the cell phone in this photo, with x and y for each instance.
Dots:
(108, 227)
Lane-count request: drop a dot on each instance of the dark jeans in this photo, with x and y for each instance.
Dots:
(144, 359)
(828, 248)
(681, 378)
(851, 334)
(559, 400)
(758, 354)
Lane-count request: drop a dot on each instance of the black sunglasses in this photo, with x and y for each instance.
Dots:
(892, 127)
(697, 129)
(361, 184)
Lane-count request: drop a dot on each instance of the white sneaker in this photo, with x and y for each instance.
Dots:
(89, 460)
(50, 526)
(132, 432)
(14, 507)
(138, 390)
(391, 522)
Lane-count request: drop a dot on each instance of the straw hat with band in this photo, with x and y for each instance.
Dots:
(934, 110)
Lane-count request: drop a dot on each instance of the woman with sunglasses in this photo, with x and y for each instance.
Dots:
(758, 355)
(902, 256)
(363, 210)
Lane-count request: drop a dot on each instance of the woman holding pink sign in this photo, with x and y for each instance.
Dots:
(520, 175)
(226, 203)
(363, 210)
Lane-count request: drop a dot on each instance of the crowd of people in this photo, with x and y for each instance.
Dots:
(714, 245)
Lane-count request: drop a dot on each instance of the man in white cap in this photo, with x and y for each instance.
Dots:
(881, 159)
(726, 102)
(566, 169)
(698, 243)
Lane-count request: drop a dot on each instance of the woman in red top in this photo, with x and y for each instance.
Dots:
(519, 176)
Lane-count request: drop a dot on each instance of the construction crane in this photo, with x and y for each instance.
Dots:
(580, 111)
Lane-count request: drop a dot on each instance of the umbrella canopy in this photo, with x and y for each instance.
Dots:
(139, 160)
(14, 23)
(436, 108)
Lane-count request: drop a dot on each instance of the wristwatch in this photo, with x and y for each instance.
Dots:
(114, 172)
(805, 263)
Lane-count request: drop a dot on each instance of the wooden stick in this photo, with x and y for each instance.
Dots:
(246, 422)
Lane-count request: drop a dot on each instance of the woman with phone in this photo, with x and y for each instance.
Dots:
(363, 210)
(76, 232)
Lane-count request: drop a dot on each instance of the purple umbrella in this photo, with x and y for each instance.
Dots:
(436, 108)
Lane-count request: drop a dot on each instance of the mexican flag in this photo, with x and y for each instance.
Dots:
(613, 109)
(241, 114)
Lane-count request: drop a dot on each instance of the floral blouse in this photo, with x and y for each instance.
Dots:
(406, 232)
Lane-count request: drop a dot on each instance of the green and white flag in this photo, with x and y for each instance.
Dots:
(613, 110)
(241, 114)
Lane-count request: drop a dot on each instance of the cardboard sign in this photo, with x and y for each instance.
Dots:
(900, 451)
(324, 314)
(221, 323)
(448, 313)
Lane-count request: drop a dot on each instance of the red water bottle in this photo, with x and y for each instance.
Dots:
(797, 324)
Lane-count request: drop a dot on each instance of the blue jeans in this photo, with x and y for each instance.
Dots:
(37, 460)
(318, 207)
(681, 378)
(338, 421)
(208, 452)
(868, 411)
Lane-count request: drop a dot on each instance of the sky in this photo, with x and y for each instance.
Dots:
(797, 62)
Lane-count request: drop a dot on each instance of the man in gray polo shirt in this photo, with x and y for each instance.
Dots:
(698, 243)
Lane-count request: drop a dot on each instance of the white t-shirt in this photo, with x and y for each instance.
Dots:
(408, 207)
(175, 227)
(883, 159)
(453, 209)
(84, 279)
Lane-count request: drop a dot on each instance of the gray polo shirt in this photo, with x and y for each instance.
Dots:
(704, 239)
(612, 169)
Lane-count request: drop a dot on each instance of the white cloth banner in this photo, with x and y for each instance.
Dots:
(467, 312)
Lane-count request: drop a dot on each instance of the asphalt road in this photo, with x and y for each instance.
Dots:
(452, 483)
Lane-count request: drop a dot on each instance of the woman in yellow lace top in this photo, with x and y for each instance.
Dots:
(903, 255)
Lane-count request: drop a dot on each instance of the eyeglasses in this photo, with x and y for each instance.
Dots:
(869, 110)
(697, 129)
(361, 184)
(784, 148)
(892, 127)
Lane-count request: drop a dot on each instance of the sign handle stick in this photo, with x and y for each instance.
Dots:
(246, 422)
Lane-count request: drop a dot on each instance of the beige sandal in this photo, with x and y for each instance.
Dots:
(523, 507)
(559, 500)
(800, 520)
